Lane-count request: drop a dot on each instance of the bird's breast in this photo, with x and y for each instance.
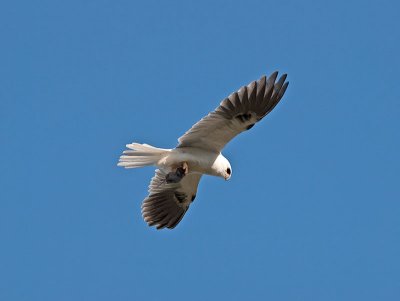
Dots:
(198, 160)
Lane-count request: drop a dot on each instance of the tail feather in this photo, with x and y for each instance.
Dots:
(140, 155)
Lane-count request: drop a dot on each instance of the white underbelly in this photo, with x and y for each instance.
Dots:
(199, 161)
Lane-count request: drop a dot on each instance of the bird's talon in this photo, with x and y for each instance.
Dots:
(185, 167)
(175, 177)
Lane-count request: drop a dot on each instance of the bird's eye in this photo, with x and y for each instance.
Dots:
(228, 171)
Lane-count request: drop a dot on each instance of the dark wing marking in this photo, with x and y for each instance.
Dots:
(167, 203)
(235, 114)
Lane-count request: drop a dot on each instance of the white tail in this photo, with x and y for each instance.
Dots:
(140, 155)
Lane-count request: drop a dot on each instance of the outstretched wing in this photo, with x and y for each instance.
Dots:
(235, 114)
(167, 203)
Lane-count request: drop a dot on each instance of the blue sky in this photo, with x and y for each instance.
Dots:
(312, 209)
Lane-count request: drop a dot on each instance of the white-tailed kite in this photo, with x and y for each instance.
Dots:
(174, 186)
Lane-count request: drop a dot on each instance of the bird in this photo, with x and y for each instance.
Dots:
(179, 170)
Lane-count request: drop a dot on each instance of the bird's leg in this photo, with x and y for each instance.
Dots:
(185, 168)
(177, 176)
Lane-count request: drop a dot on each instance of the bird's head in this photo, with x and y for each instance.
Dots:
(222, 167)
(228, 173)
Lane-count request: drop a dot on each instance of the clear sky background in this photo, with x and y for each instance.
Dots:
(312, 211)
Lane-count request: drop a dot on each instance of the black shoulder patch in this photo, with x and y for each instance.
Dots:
(193, 197)
(250, 126)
